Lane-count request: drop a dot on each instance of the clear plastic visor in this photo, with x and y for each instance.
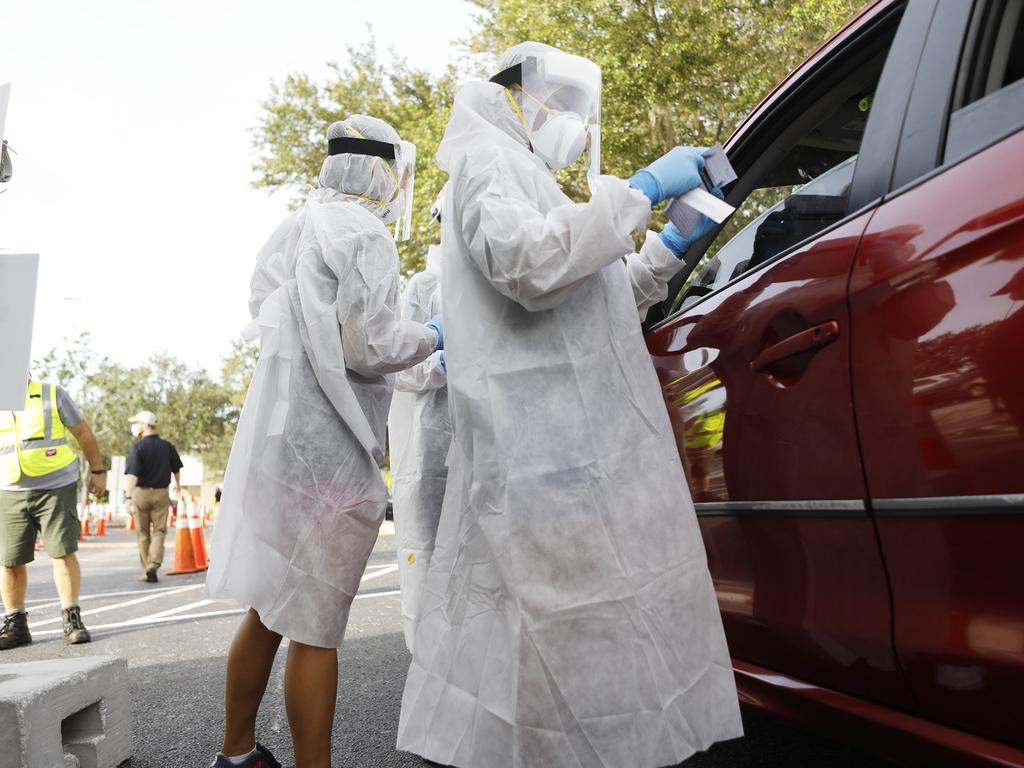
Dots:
(560, 83)
(405, 162)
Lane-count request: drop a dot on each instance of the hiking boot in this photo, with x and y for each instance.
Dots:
(262, 759)
(14, 632)
(74, 630)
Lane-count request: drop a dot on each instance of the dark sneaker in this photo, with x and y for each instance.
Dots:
(14, 632)
(262, 759)
(149, 576)
(75, 632)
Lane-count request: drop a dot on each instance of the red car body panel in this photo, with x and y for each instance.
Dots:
(908, 739)
(886, 608)
(787, 435)
(938, 288)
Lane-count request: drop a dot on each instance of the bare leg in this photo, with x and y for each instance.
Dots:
(249, 663)
(310, 696)
(13, 586)
(67, 577)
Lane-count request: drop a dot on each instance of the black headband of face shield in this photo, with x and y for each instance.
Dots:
(353, 146)
(509, 77)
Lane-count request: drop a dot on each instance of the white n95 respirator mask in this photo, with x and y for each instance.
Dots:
(557, 97)
(560, 141)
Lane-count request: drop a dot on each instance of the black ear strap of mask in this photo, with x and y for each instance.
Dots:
(354, 146)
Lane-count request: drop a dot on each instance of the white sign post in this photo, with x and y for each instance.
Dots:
(5, 97)
(18, 274)
(116, 486)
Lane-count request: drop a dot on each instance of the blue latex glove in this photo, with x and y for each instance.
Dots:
(677, 242)
(671, 175)
(436, 324)
(443, 366)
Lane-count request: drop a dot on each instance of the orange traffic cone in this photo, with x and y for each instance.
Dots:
(85, 526)
(101, 526)
(184, 553)
(131, 522)
(198, 542)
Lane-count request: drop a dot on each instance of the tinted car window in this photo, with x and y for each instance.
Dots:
(991, 81)
(798, 215)
(803, 193)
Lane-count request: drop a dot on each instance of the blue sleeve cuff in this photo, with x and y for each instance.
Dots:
(674, 241)
(646, 183)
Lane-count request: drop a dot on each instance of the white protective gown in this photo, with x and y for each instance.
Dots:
(569, 619)
(420, 432)
(303, 494)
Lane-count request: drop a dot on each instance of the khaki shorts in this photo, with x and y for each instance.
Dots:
(23, 514)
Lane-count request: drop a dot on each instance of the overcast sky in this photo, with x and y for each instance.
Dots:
(132, 125)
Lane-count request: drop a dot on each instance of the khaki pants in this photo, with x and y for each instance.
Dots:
(149, 505)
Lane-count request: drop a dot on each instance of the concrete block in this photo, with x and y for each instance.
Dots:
(65, 713)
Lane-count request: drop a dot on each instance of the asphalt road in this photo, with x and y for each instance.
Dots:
(176, 640)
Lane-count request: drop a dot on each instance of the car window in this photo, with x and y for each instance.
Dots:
(797, 165)
(989, 97)
(798, 196)
(800, 212)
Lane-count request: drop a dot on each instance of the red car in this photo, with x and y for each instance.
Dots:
(843, 364)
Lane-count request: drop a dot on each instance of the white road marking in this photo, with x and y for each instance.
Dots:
(133, 623)
(165, 618)
(172, 614)
(173, 611)
(48, 602)
(378, 594)
(125, 604)
(384, 571)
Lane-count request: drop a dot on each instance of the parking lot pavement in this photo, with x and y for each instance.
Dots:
(175, 640)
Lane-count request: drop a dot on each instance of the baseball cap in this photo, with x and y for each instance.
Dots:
(144, 417)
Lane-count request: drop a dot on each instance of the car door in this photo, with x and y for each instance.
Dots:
(756, 374)
(937, 304)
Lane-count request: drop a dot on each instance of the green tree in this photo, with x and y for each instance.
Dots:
(197, 412)
(236, 372)
(291, 137)
(679, 72)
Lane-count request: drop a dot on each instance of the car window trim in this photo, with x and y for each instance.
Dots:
(989, 111)
(872, 179)
(923, 136)
(945, 166)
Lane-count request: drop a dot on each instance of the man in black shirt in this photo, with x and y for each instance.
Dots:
(151, 462)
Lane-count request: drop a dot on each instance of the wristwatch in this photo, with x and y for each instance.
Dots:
(98, 471)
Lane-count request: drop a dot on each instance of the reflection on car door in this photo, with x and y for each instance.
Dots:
(774, 467)
(937, 298)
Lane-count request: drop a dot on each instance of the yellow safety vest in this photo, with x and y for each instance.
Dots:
(33, 442)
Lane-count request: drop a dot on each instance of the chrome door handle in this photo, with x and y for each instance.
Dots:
(811, 340)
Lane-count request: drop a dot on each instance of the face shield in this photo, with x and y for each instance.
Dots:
(406, 179)
(398, 162)
(558, 98)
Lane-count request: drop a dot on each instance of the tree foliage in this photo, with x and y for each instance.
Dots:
(291, 137)
(197, 411)
(674, 72)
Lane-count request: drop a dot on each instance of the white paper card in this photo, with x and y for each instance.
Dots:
(18, 274)
(703, 201)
